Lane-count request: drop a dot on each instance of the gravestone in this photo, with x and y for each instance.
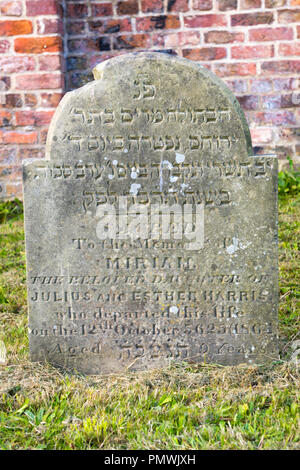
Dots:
(150, 226)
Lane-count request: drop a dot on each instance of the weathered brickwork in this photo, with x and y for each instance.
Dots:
(49, 46)
(31, 83)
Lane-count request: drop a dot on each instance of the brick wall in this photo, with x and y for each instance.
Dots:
(47, 47)
(31, 83)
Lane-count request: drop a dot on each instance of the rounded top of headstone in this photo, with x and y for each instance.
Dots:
(149, 102)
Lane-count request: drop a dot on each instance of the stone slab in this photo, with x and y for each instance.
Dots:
(151, 130)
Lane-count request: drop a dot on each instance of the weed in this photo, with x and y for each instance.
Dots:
(289, 180)
(10, 210)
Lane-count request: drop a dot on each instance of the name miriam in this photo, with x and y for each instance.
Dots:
(156, 262)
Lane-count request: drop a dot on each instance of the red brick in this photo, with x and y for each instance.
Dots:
(39, 7)
(8, 173)
(33, 118)
(38, 45)
(39, 81)
(12, 173)
(281, 152)
(225, 5)
(8, 155)
(283, 66)
(97, 59)
(5, 118)
(11, 8)
(4, 46)
(290, 100)
(205, 53)
(128, 7)
(270, 34)
(170, 22)
(252, 52)
(50, 62)
(49, 26)
(151, 23)
(131, 41)
(12, 28)
(289, 16)
(289, 134)
(76, 63)
(50, 100)
(152, 6)
(31, 152)
(251, 19)
(289, 49)
(102, 9)
(86, 45)
(24, 118)
(204, 21)
(260, 86)
(271, 101)
(186, 38)
(207, 66)
(241, 69)
(222, 37)
(280, 101)
(13, 190)
(277, 118)
(10, 64)
(76, 27)
(261, 135)
(13, 137)
(237, 86)
(31, 100)
(43, 135)
(249, 4)
(159, 39)
(77, 10)
(280, 84)
(111, 26)
(202, 5)
(248, 102)
(275, 3)
(12, 100)
(179, 5)
(5, 83)
(103, 44)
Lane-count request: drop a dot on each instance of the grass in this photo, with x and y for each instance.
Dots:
(179, 407)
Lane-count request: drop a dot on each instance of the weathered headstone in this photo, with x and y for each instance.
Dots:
(150, 227)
